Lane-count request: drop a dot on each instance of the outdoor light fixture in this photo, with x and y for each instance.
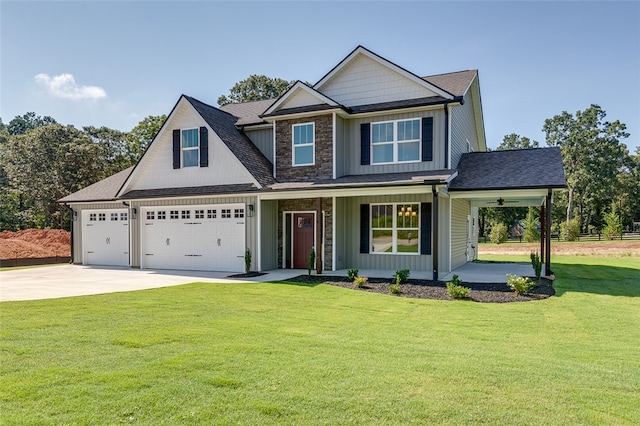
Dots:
(134, 211)
(250, 208)
(75, 215)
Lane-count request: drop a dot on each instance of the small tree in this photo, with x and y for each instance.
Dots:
(531, 234)
(312, 261)
(570, 230)
(613, 224)
(498, 233)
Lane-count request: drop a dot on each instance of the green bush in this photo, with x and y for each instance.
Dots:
(613, 224)
(402, 276)
(456, 290)
(531, 234)
(521, 285)
(499, 233)
(312, 260)
(247, 261)
(360, 282)
(570, 231)
(352, 273)
(536, 263)
(394, 288)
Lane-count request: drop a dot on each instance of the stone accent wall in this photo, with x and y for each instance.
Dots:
(323, 167)
(308, 204)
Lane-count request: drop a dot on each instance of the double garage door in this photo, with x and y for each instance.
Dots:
(198, 238)
(105, 237)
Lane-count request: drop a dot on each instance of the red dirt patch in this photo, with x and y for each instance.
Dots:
(34, 243)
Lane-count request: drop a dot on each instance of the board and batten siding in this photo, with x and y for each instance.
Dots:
(263, 139)
(348, 236)
(78, 225)
(365, 81)
(352, 144)
(460, 209)
(269, 231)
(444, 242)
(463, 129)
(251, 234)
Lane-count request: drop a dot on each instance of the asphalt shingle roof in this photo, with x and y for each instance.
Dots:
(188, 191)
(510, 169)
(248, 112)
(224, 124)
(455, 83)
(104, 190)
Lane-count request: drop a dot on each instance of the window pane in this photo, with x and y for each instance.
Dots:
(409, 151)
(382, 132)
(190, 138)
(190, 158)
(383, 153)
(382, 216)
(408, 215)
(303, 134)
(304, 155)
(408, 241)
(408, 130)
(382, 241)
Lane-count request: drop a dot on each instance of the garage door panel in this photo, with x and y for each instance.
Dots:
(105, 237)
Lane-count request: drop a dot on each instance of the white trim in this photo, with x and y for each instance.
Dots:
(347, 192)
(191, 148)
(394, 228)
(257, 215)
(294, 146)
(333, 233)
(450, 165)
(299, 86)
(363, 51)
(395, 142)
(274, 150)
(333, 143)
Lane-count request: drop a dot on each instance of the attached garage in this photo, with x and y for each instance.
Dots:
(105, 237)
(200, 238)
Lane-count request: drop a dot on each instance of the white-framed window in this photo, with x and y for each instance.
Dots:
(211, 214)
(395, 228)
(186, 214)
(199, 214)
(151, 215)
(303, 144)
(102, 217)
(225, 213)
(114, 216)
(124, 216)
(395, 141)
(238, 213)
(173, 214)
(190, 147)
(162, 214)
(92, 217)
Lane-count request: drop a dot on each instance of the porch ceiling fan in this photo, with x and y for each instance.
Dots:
(501, 201)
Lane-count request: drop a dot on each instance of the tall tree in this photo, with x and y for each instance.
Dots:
(141, 136)
(255, 88)
(515, 141)
(30, 121)
(592, 154)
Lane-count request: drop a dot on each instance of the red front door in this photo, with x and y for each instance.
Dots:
(303, 236)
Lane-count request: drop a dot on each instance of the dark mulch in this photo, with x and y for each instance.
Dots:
(425, 289)
(247, 275)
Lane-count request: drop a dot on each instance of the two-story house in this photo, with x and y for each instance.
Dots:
(373, 167)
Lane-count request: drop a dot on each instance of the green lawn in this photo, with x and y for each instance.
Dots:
(293, 354)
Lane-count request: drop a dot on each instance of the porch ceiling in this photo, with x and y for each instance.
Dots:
(503, 198)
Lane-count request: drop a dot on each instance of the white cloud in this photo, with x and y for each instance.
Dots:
(65, 86)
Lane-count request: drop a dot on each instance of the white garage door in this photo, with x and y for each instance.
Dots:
(198, 238)
(105, 237)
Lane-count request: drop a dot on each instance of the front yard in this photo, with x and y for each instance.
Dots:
(278, 353)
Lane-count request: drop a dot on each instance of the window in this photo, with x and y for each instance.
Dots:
(238, 213)
(199, 214)
(124, 216)
(92, 217)
(151, 215)
(211, 214)
(190, 148)
(102, 217)
(162, 215)
(114, 216)
(395, 228)
(186, 214)
(173, 214)
(395, 141)
(225, 213)
(303, 141)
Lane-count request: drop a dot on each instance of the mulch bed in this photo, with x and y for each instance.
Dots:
(425, 289)
(247, 275)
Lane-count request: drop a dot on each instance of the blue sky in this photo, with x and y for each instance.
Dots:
(114, 63)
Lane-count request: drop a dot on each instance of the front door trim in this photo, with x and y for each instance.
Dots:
(290, 234)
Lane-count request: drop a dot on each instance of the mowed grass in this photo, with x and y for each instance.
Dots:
(279, 353)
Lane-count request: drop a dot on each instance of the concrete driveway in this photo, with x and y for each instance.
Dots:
(50, 282)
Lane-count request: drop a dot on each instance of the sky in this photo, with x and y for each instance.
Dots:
(114, 63)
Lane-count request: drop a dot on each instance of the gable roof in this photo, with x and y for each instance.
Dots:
(510, 169)
(224, 125)
(323, 101)
(457, 83)
(104, 190)
(248, 112)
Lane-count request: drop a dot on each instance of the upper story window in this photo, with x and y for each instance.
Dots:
(303, 144)
(190, 148)
(395, 141)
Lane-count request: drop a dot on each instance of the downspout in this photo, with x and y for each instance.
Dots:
(129, 216)
(71, 213)
(446, 135)
(434, 230)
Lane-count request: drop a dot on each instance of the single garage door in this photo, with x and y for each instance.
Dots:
(197, 238)
(105, 237)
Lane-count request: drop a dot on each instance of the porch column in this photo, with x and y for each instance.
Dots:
(319, 245)
(542, 231)
(548, 232)
(434, 230)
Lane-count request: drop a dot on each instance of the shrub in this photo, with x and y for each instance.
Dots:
(456, 290)
(352, 273)
(394, 288)
(499, 233)
(531, 234)
(613, 224)
(401, 276)
(521, 285)
(360, 282)
(537, 265)
(312, 260)
(247, 261)
(570, 230)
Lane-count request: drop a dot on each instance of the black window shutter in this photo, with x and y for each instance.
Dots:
(365, 145)
(364, 228)
(204, 147)
(425, 228)
(427, 138)
(176, 149)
